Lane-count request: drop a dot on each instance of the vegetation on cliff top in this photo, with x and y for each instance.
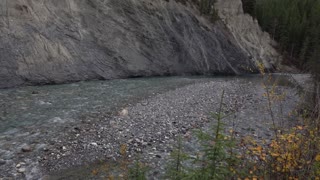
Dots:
(295, 25)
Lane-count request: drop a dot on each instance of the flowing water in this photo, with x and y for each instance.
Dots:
(35, 105)
(28, 113)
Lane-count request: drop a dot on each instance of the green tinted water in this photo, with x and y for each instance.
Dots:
(34, 105)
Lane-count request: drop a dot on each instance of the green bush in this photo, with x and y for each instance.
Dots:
(217, 160)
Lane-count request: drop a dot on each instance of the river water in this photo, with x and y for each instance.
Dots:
(27, 113)
(36, 105)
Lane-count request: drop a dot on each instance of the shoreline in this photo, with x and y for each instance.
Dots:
(149, 129)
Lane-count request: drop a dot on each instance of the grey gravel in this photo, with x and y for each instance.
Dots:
(149, 128)
(150, 131)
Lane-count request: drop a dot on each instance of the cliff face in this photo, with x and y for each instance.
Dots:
(248, 34)
(58, 41)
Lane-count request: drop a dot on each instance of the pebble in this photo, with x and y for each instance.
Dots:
(26, 148)
(2, 162)
(20, 164)
(144, 103)
(21, 170)
(94, 144)
(123, 112)
(41, 147)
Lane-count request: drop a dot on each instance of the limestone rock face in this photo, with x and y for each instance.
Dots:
(59, 41)
(248, 34)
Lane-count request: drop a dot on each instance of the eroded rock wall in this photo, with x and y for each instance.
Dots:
(59, 41)
(248, 34)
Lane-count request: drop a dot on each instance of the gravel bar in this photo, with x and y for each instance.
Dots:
(149, 129)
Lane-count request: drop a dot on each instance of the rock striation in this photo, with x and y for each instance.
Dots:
(60, 41)
(250, 38)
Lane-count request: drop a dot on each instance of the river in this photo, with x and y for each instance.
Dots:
(38, 115)
(36, 105)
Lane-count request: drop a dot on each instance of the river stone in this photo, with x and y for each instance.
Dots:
(94, 144)
(26, 148)
(8, 155)
(123, 112)
(71, 40)
(41, 147)
(20, 164)
(21, 170)
(2, 162)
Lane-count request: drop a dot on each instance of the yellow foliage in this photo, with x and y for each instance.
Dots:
(123, 149)
(288, 154)
(292, 154)
(261, 68)
(95, 172)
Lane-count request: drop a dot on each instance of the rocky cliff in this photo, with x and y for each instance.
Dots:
(250, 38)
(58, 41)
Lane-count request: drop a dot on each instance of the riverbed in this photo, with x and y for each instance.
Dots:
(48, 129)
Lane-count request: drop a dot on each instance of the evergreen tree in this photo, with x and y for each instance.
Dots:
(294, 24)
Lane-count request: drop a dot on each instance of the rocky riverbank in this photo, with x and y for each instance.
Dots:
(148, 129)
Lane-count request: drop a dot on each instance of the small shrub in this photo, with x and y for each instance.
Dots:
(137, 172)
(218, 160)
